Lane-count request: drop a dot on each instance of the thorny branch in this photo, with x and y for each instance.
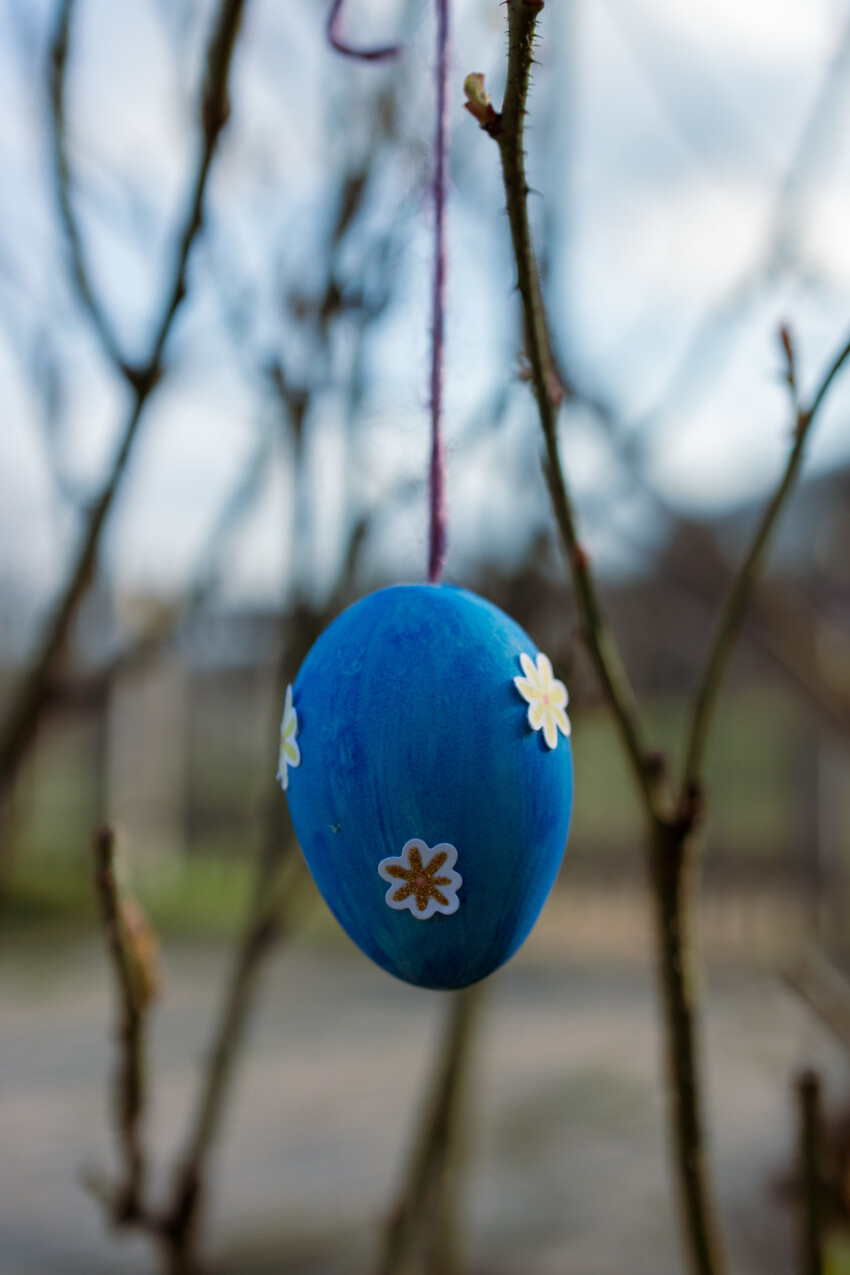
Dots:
(507, 129)
(673, 822)
(668, 839)
(22, 721)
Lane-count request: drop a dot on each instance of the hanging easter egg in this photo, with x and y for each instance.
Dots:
(426, 760)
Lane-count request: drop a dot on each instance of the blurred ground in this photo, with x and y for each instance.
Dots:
(568, 1171)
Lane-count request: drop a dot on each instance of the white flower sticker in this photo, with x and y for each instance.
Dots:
(422, 879)
(290, 753)
(546, 698)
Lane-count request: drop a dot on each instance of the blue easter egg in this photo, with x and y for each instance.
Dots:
(426, 759)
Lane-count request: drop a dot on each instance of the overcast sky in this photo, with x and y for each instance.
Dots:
(661, 137)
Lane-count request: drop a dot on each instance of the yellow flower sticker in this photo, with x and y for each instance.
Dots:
(546, 698)
(290, 753)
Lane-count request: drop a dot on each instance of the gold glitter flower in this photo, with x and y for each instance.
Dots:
(428, 885)
(290, 753)
(546, 698)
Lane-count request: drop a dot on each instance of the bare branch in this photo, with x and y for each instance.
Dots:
(507, 128)
(178, 1224)
(175, 1227)
(738, 598)
(670, 835)
(671, 849)
(671, 861)
(62, 174)
(811, 1174)
(22, 721)
(127, 1204)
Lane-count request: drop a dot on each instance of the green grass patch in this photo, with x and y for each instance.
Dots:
(838, 1257)
(204, 897)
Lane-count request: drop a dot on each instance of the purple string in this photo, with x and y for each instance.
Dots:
(438, 535)
(380, 54)
(437, 477)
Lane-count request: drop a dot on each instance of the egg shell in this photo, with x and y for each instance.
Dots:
(410, 726)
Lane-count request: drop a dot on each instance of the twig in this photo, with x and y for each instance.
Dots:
(673, 854)
(381, 53)
(732, 612)
(428, 1198)
(811, 1174)
(507, 129)
(668, 857)
(178, 1224)
(672, 847)
(62, 174)
(175, 1227)
(127, 1204)
(672, 861)
(23, 718)
(773, 257)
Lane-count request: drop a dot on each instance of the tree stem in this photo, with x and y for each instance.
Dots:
(671, 861)
(19, 728)
(507, 129)
(743, 585)
(669, 855)
(811, 1174)
(431, 1180)
(130, 1088)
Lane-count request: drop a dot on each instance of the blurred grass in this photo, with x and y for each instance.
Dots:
(838, 1257)
(754, 796)
(197, 896)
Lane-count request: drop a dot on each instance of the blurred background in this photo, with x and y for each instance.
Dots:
(691, 169)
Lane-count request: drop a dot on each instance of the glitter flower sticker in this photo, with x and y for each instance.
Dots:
(546, 698)
(290, 753)
(422, 879)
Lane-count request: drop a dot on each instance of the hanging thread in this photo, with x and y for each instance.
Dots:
(438, 507)
(438, 539)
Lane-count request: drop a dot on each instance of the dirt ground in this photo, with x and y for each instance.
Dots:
(568, 1169)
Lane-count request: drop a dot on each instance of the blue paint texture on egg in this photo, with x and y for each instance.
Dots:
(410, 726)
